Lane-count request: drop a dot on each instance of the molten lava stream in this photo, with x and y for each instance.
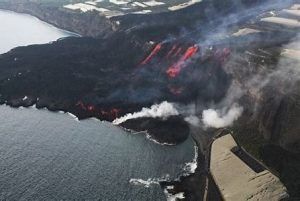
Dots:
(152, 54)
(174, 70)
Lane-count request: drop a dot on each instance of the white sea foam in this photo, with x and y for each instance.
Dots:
(146, 183)
(150, 181)
(72, 115)
(171, 197)
(149, 137)
(33, 107)
(191, 167)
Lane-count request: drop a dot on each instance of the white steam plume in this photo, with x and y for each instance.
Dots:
(162, 110)
(218, 119)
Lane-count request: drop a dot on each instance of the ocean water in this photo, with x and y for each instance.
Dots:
(21, 30)
(46, 155)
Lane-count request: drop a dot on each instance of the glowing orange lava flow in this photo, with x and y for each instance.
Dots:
(152, 54)
(109, 114)
(173, 71)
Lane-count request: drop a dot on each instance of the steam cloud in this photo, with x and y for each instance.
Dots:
(193, 120)
(219, 119)
(286, 72)
(162, 110)
(210, 117)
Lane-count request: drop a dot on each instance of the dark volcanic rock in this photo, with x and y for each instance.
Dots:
(192, 185)
(279, 120)
(172, 130)
(286, 164)
(105, 78)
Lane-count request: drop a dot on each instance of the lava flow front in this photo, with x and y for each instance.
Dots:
(104, 114)
(174, 70)
(152, 54)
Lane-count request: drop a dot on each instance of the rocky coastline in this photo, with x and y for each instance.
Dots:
(91, 77)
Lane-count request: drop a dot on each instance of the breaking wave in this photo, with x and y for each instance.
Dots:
(149, 137)
(171, 197)
(151, 181)
(191, 167)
